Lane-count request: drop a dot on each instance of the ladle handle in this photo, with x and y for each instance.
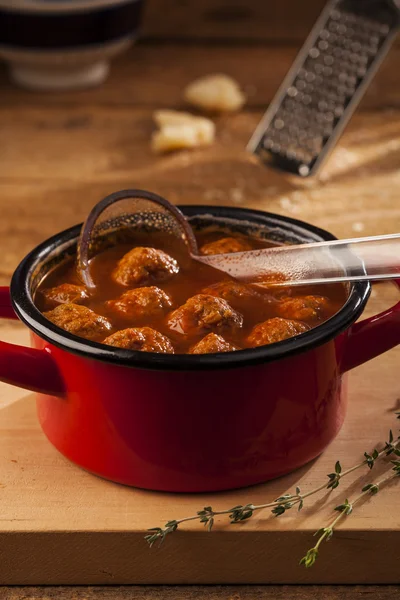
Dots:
(373, 258)
(370, 258)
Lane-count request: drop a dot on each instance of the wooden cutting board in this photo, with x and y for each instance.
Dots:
(61, 525)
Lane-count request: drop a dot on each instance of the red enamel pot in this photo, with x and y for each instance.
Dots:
(190, 423)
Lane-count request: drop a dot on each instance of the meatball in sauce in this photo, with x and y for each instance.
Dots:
(304, 308)
(240, 296)
(226, 245)
(143, 339)
(66, 293)
(275, 330)
(204, 313)
(79, 320)
(141, 266)
(212, 344)
(141, 303)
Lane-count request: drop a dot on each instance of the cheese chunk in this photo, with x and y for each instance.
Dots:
(181, 130)
(218, 93)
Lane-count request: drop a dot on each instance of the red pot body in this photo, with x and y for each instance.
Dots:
(187, 432)
(190, 424)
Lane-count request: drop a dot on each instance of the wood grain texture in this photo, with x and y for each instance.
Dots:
(200, 593)
(249, 20)
(51, 174)
(59, 154)
(152, 75)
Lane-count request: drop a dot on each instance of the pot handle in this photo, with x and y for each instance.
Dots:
(371, 337)
(24, 367)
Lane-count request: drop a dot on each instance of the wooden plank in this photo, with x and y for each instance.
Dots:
(199, 593)
(59, 155)
(250, 20)
(155, 75)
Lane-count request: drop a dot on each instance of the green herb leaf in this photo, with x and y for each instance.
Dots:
(334, 478)
(309, 559)
(334, 481)
(171, 525)
(371, 458)
(157, 533)
(283, 498)
(278, 510)
(329, 533)
(241, 513)
(319, 532)
(372, 488)
(396, 467)
(346, 507)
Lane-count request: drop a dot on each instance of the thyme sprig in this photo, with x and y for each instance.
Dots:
(345, 510)
(280, 505)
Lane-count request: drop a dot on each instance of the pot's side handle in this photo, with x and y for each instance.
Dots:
(371, 337)
(28, 368)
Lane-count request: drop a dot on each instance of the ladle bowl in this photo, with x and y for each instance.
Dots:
(357, 259)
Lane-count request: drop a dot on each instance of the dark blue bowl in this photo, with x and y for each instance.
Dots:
(59, 44)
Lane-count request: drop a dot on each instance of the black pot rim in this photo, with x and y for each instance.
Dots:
(28, 313)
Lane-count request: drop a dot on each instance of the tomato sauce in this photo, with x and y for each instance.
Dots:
(233, 316)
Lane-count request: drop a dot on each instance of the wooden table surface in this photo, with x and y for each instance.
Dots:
(59, 154)
(230, 592)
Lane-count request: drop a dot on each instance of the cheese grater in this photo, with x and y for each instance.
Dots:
(324, 85)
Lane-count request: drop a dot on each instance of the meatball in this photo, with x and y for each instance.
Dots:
(141, 303)
(204, 313)
(232, 291)
(79, 320)
(66, 293)
(211, 344)
(268, 281)
(143, 265)
(303, 308)
(226, 246)
(275, 330)
(143, 339)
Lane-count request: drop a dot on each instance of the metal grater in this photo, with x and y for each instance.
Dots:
(325, 84)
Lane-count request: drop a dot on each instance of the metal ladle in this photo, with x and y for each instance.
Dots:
(357, 259)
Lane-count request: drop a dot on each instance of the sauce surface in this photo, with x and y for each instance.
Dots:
(195, 308)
